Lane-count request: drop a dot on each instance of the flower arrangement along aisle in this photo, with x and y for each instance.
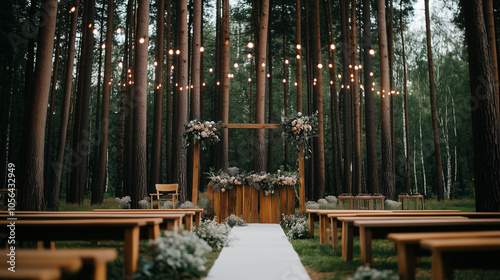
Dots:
(223, 181)
(298, 129)
(203, 132)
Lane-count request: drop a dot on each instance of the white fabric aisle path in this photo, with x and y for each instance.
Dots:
(258, 252)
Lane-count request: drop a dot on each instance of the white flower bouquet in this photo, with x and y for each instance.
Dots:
(203, 132)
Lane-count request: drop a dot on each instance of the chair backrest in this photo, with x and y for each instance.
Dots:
(167, 187)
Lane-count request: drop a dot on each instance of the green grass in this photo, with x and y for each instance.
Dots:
(108, 203)
(323, 263)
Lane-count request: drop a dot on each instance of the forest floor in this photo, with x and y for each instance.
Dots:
(320, 261)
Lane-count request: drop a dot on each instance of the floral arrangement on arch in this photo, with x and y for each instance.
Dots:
(298, 129)
(203, 132)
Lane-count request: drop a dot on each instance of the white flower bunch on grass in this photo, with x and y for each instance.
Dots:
(215, 234)
(144, 203)
(124, 202)
(367, 273)
(234, 220)
(176, 256)
(299, 230)
(187, 205)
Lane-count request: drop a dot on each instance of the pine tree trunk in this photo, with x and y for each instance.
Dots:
(180, 168)
(489, 20)
(432, 89)
(168, 90)
(485, 125)
(270, 94)
(346, 95)
(405, 108)
(298, 47)
(31, 170)
(139, 164)
(155, 171)
(57, 165)
(99, 182)
(387, 184)
(48, 153)
(372, 182)
(225, 83)
(260, 114)
(334, 105)
(358, 164)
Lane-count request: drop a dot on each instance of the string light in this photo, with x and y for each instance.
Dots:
(340, 76)
(263, 64)
(141, 41)
(211, 70)
(236, 65)
(118, 31)
(249, 56)
(178, 52)
(202, 49)
(371, 74)
(250, 45)
(295, 84)
(320, 66)
(249, 80)
(155, 63)
(284, 81)
(269, 75)
(332, 47)
(371, 51)
(73, 9)
(330, 65)
(298, 56)
(298, 47)
(172, 67)
(287, 61)
(171, 52)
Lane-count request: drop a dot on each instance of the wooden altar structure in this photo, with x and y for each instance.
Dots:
(302, 192)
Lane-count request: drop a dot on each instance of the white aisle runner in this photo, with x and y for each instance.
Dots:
(258, 252)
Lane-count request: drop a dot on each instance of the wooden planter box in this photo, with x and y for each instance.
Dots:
(252, 205)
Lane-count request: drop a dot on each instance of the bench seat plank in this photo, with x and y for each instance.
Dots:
(379, 229)
(86, 230)
(447, 254)
(408, 247)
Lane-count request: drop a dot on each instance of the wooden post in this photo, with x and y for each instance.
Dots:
(196, 159)
(302, 180)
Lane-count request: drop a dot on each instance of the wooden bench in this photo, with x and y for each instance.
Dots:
(379, 229)
(348, 229)
(408, 247)
(32, 274)
(80, 263)
(463, 253)
(197, 213)
(323, 219)
(170, 221)
(328, 216)
(85, 230)
(335, 223)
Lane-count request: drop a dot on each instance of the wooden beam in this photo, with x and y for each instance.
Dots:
(251, 125)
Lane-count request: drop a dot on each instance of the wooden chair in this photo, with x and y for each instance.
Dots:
(171, 191)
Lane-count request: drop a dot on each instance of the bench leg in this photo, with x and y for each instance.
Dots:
(365, 243)
(131, 251)
(441, 268)
(406, 261)
(311, 224)
(347, 240)
(335, 234)
(323, 225)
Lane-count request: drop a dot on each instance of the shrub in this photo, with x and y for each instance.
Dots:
(234, 220)
(215, 234)
(175, 256)
(391, 204)
(366, 273)
(187, 205)
(312, 205)
(144, 203)
(288, 221)
(299, 230)
(332, 200)
(167, 205)
(124, 202)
